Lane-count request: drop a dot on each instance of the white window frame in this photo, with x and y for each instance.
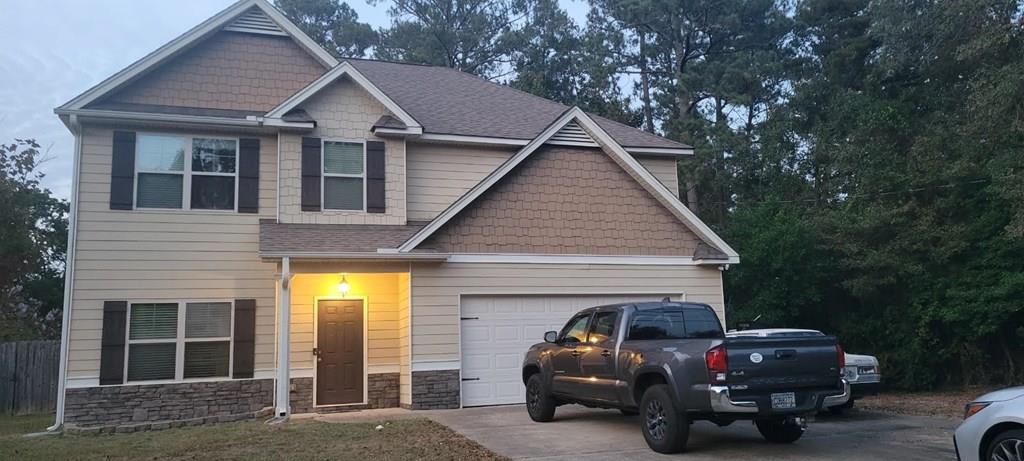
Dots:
(186, 173)
(179, 341)
(324, 174)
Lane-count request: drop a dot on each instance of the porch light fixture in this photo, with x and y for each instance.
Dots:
(343, 286)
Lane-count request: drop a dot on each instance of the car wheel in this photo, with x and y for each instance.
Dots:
(628, 412)
(664, 426)
(1007, 446)
(539, 402)
(779, 430)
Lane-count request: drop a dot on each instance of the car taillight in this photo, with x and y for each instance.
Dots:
(841, 356)
(718, 365)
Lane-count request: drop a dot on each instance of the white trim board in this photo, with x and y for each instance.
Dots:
(492, 141)
(613, 149)
(436, 365)
(578, 259)
(186, 40)
(346, 68)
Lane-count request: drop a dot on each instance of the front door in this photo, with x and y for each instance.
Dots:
(597, 362)
(339, 352)
(565, 362)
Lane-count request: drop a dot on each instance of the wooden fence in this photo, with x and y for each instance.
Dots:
(28, 376)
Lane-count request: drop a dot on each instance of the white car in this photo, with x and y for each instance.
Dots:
(861, 371)
(993, 427)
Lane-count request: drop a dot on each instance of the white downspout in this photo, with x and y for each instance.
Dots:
(69, 271)
(283, 342)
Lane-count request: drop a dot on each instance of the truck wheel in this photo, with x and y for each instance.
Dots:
(539, 402)
(779, 430)
(664, 426)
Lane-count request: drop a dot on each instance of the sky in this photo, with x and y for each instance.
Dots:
(84, 42)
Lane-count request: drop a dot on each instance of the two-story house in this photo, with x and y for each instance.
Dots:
(258, 225)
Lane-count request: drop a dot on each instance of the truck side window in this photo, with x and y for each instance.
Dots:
(576, 329)
(657, 324)
(602, 327)
(701, 323)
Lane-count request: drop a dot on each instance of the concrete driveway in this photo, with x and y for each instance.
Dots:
(597, 435)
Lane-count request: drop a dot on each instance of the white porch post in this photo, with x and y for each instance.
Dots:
(283, 340)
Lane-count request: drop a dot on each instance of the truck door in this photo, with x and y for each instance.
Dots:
(597, 361)
(565, 363)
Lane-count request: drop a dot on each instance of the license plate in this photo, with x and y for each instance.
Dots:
(783, 401)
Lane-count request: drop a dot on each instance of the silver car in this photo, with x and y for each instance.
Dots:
(993, 427)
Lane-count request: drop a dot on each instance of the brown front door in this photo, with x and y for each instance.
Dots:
(339, 368)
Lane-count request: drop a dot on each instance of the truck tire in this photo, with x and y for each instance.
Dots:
(779, 430)
(664, 426)
(539, 402)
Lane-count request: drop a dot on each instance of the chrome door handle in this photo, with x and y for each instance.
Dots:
(606, 353)
(575, 353)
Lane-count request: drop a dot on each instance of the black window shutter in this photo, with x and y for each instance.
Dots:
(245, 338)
(115, 322)
(248, 175)
(311, 174)
(375, 177)
(122, 171)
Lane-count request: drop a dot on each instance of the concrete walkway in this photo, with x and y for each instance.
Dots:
(599, 435)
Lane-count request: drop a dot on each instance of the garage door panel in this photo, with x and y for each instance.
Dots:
(497, 331)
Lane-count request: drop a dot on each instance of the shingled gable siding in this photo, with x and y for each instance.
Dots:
(566, 200)
(164, 255)
(343, 111)
(439, 174)
(229, 70)
(436, 290)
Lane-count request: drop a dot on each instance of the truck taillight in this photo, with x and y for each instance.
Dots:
(717, 364)
(841, 356)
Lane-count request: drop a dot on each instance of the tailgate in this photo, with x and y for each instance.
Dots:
(767, 364)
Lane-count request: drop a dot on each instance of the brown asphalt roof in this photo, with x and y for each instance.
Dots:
(447, 101)
(278, 238)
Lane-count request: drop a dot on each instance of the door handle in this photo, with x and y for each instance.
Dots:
(606, 353)
(317, 352)
(575, 353)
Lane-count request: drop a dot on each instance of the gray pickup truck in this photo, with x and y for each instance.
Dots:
(671, 363)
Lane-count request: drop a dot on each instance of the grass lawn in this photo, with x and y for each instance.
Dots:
(17, 425)
(253, 440)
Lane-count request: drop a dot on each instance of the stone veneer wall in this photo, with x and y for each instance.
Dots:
(435, 389)
(145, 406)
(382, 392)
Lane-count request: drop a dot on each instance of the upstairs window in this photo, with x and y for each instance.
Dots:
(181, 172)
(344, 168)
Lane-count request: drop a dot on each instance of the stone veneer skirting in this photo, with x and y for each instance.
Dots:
(157, 406)
(437, 389)
(382, 392)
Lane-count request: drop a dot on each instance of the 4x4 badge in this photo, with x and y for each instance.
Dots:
(756, 358)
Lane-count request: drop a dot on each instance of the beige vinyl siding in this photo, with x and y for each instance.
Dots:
(343, 111)
(382, 296)
(438, 174)
(436, 290)
(663, 168)
(164, 255)
(404, 340)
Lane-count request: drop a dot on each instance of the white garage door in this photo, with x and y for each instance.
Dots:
(497, 331)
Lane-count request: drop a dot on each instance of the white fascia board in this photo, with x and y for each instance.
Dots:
(366, 256)
(153, 117)
(182, 42)
(461, 139)
(626, 160)
(659, 151)
(414, 131)
(572, 259)
(337, 72)
(493, 141)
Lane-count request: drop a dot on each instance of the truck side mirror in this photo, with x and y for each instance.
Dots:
(550, 336)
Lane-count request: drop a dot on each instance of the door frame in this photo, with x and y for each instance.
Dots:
(598, 292)
(316, 343)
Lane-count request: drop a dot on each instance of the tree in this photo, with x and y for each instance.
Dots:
(474, 36)
(33, 243)
(333, 25)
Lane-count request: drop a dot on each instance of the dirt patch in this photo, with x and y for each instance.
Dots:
(949, 404)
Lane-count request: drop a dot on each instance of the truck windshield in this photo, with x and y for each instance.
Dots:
(674, 324)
